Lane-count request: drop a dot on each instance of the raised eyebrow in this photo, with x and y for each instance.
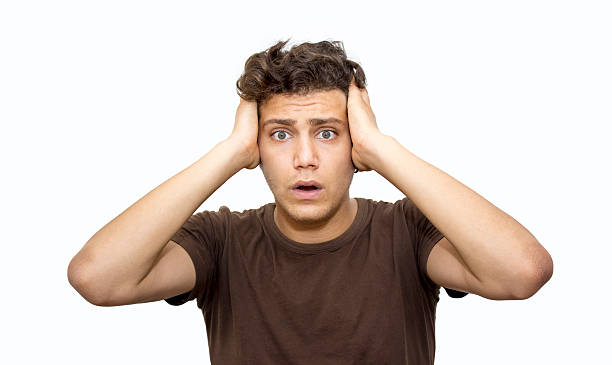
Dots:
(313, 122)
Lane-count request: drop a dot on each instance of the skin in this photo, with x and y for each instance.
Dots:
(307, 152)
(483, 251)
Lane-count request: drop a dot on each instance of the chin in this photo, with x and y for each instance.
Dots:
(307, 212)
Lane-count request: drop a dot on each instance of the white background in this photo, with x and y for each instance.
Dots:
(100, 102)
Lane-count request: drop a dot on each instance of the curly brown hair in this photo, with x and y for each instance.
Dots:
(302, 69)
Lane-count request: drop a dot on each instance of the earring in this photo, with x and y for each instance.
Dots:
(356, 170)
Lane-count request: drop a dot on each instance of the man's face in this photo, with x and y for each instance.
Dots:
(304, 148)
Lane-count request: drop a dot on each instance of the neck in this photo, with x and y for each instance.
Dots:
(338, 222)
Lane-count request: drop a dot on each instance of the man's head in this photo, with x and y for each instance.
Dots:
(303, 125)
(302, 69)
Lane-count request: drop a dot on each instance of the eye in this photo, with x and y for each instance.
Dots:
(327, 133)
(282, 133)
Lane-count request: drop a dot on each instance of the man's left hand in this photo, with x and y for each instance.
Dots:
(363, 129)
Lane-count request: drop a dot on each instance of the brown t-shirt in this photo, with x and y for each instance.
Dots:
(363, 297)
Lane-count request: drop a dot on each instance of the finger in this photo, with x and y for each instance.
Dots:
(355, 93)
(353, 89)
(365, 96)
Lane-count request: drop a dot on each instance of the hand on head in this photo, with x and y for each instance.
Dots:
(362, 124)
(245, 132)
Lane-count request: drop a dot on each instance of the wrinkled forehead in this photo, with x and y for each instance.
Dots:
(319, 104)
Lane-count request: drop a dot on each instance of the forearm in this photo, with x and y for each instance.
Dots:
(493, 244)
(124, 250)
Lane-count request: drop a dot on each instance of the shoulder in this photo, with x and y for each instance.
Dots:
(233, 214)
(383, 213)
(247, 214)
(238, 222)
(400, 207)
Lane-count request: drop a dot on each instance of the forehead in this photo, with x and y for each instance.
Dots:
(329, 103)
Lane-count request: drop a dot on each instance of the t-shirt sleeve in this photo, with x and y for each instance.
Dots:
(425, 237)
(203, 237)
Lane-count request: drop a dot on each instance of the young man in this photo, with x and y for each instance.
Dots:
(316, 277)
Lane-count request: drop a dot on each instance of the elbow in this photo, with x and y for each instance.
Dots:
(538, 274)
(80, 278)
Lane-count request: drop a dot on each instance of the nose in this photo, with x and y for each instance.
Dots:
(306, 154)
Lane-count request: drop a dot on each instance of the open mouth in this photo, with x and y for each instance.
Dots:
(307, 187)
(307, 192)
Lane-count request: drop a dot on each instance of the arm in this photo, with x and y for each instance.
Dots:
(494, 253)
(500, 256)
(121, 254)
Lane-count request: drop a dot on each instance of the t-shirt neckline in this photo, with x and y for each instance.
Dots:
(309, 248)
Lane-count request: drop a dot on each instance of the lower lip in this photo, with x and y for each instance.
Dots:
(307, 194)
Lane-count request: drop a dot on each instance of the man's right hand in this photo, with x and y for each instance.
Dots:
(245, 132)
